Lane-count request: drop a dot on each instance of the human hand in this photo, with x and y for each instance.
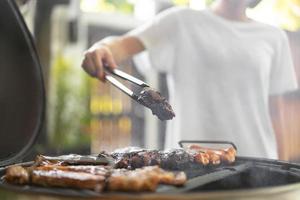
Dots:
(96, 59)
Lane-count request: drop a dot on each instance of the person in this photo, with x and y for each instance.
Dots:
(225, 67)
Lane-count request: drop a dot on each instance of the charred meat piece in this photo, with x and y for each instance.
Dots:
(158, 104)
(175, 159)
(135, 157)
(128, 157)
(126, 152)
(72, 159)
(59, 178)
(96, 170)
(143, 179)
(96, 178)
(172, 159)
(151, 157)
(83, 177)
(17, 175)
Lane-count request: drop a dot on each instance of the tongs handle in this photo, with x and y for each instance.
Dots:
(127, 77)
(122, 87)
(182, 142)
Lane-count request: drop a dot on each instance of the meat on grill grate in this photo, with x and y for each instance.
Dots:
(134, 169)
(96, 178)
(172, 159)
(216, 155)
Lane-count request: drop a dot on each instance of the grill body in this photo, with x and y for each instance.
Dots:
(22, 103)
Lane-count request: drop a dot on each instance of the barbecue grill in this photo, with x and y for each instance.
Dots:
(22, 103)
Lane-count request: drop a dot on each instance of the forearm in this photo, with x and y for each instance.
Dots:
(109, 51)
(123, 47)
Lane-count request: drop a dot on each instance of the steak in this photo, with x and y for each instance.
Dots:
(157, 104)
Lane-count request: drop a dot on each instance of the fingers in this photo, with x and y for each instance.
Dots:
(109, 60)
(88, 66)
(95, 59)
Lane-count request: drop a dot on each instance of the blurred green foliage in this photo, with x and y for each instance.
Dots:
(208, 2)
(181, 2)
(121, 5)
(186, 2)
(68, 106)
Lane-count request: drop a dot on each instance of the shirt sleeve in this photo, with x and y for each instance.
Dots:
(283, 76)
(157, 36)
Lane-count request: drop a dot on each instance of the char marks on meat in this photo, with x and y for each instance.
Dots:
(143, 179)
(65, 178)
(172, 159)
(134, 169)
(133, 157)
(72, 159)
(97, 178)
(175, 159)
(158, 104)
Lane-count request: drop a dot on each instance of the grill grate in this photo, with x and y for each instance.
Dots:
(199, 177)
(245, 173)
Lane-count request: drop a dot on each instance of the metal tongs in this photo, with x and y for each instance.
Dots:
(109, 77)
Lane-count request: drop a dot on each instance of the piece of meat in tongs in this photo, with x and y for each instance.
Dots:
(148, 97)
(157, 103)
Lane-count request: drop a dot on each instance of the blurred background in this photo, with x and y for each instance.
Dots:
(85, 116)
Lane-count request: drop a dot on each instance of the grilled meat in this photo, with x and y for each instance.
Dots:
(17, 175)
(88, 177)
(217, 155)
(172, 159)
(134, 157)
(97, 170)
(96, 178)
(158, 104)
(199, 157)
(59, 178)
(72, 159)
(175, 159)
(133, 181)
(166, 177)
(135, 169)
(143, 179)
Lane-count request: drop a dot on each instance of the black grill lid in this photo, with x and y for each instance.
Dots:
(22, 99)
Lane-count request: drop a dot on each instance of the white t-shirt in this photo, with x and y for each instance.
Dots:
(220, 74)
